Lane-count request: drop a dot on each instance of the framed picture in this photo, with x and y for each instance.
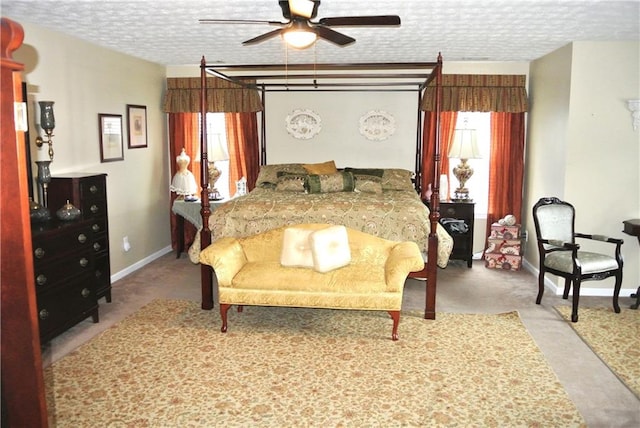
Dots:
(111, 148)
(137, 126)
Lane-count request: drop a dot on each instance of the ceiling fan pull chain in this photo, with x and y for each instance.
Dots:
(315, 64)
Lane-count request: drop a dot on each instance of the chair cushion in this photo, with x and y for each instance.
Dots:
(296, 251)
(330, 248)
(590, 262)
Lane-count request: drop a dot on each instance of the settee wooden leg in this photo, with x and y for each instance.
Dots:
(395, 316)
(224, 308)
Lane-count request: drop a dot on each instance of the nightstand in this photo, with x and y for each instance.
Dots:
(191, 212)
(462, 242)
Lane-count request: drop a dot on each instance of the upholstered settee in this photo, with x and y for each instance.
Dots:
(249, 272)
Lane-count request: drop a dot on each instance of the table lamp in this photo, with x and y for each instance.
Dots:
(464, 147)
(216, 151)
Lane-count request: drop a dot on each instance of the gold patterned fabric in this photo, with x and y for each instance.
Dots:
(477, 92)
(393, 214)
(249, 273)
(183, 96)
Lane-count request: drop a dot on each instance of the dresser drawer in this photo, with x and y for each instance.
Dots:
(61, 241)
(460, 211)
(50, 274)
(65, 306)
(93, 188)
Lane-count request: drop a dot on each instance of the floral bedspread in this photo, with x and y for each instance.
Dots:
(394, 214)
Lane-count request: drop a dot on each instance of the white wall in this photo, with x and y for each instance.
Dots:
(83, 80)
(582, 146)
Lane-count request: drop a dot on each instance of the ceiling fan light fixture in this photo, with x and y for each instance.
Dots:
(299, 39)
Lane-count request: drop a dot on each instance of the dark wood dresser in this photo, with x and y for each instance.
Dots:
(88, 192)
(64, 269)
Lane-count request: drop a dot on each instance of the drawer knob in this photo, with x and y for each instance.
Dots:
(93, 189)
(95, 227)
(41, 279)
(94, 208)
(82, 238)
(84, 262)
(98, 273)
(85, 292)
(96, 246)
(451, 211)
(43, 314)
(39, 252)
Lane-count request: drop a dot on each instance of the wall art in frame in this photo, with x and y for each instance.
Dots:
(111, 146)
(137, 126)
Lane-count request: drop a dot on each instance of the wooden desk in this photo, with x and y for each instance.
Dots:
(632, 227)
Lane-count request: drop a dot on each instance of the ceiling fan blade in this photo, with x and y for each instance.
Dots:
(333, 36)
(239, 21)
(263, 37)
(361, 20)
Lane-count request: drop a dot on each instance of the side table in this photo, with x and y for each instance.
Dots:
(191, 212)
(462, 242)
(632, 227)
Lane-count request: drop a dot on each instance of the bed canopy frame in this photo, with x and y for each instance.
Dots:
(335, 77)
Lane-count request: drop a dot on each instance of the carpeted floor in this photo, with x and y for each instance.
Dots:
(168, 365)
(615, 338)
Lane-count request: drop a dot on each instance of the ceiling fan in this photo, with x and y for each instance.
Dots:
(300, 32)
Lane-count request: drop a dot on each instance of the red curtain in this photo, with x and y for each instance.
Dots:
(506, 167)
(447, 127)
(244, 151)
(183, 133)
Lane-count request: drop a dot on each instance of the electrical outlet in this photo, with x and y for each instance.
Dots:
(126, 246)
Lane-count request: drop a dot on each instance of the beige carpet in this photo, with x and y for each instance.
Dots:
(615, 338)
(169, 366)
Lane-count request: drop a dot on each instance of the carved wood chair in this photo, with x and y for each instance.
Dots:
(560, 254)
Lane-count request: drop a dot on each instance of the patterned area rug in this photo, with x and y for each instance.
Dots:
(168, 365)
(615, 338)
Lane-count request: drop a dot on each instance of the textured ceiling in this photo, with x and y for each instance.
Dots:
(168, 32)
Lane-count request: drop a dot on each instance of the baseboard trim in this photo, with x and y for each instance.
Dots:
(584, 291)
(139, 264)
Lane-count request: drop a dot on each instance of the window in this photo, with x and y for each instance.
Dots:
(478, 184)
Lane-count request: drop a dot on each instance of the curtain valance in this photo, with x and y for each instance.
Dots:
(478, 92)
(183, 96)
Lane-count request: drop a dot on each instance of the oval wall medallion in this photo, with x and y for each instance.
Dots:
(377, 125)
(303, 124)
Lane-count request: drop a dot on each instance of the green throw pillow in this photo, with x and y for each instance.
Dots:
(329, 183)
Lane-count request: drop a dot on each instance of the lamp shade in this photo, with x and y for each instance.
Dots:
(299, 39)
(465, 145)
(47, 120)
(217, 148)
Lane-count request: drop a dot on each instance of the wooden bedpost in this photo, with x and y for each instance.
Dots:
(206, 273)
(434, 216)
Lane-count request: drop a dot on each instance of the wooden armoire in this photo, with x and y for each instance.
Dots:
(23, 398)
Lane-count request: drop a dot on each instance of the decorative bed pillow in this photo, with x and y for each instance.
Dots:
(330, 248)
(268, 176)
(330, 183)
(290, 182)
(368, 180)
(328, 167)
(397, 179)
(296, 248)
(368, 184)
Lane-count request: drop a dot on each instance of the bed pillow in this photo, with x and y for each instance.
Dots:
(330, 248)
(268, 175)
(328, 167)
(397, 179)
(368, 180)
(330, 183)
(291, 182)
(296, 248)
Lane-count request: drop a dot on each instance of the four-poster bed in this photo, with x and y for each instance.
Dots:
(339, 77)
